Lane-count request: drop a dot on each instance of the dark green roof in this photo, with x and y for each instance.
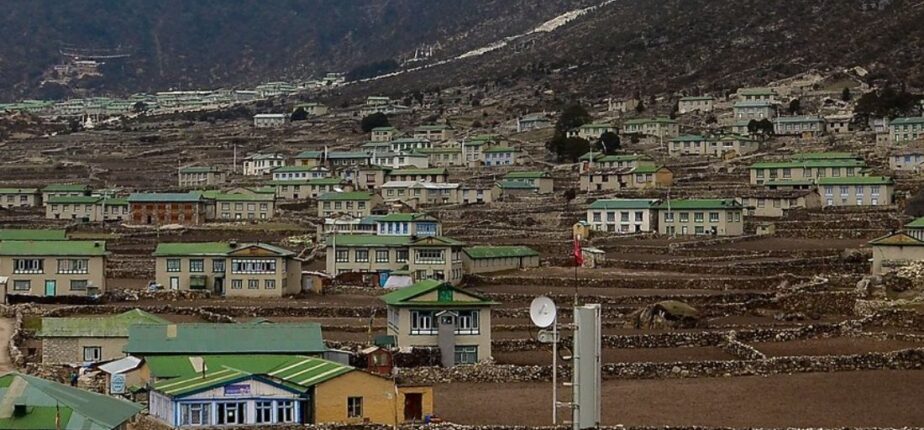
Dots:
(19, 190)
(353, 195)
(65, 188)
(63, 248)
(310, 154)
(855, 180)
(184, 249)
(105, 326)
(66, 200)
(647, 169)
(516, 185)
(689, 138)
(164, 197)
(499, 149)
(30, 234)
(275, 338)
(294, 169)
(917, 223)
(699, 204)
(405, 296)
(47, 402)
(624, 204)
(809, 164)
(413, 171)
(526, 175)
(480, 252)
(407, 217)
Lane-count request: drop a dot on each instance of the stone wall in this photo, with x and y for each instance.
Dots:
(59, 350)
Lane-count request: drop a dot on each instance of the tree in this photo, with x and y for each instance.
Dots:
(762, 128)
(573, 116)
(640, 107)
(299, 114)
(845, 95)
(608, 143)
(568, 148)
(795, 106)
(375, 120)
(139, 107)
(915, 206)
(889, 102)
(569, 194)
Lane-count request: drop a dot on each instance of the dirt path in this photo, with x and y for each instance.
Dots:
(6, 330)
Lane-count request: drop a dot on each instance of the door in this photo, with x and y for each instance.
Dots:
(174, 283)
(51, 287)
(413, 407)
(220, 286)
(683, 230)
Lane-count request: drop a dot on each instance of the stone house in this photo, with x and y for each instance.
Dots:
(201, 177)
(261, 164)
(661, 127)
(443, 157)
(383, 134)
(805, 169)
(19, 198)
(541, 180)
(429, 257)
(713, 217)
(270, 120)
(167, 208)
(621, 105)
(310, 189)
(222, 206)
(300, 173)
(895, 250)
(805, 126)
(437, 314)
(77, 340)
(505, 189)
(903, 130)
(908, 160)
(433, 133)
(718, 146)
(757, 94)
(355, 203)
(532, 122)
(87, 208)
(416, 194)
(615, 179)
(695, 104)
(370, 177)
(53, 267)
(438, 174)
(623, 215)
(394, 160)
(474, 195)
(856, 190)
(490, 259)
(501, 156)
(838, 124)
(754, 110)
(228, 268)
(592, 132)
(313, 108)
(767, 203)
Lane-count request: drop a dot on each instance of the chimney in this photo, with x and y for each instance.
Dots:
(232, 244)
(171, 331)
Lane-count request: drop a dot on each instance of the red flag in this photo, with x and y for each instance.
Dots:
(578, 255)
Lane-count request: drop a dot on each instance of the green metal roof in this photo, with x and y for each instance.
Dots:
(19, 190)
(856, 180)
(80, 200)
(624, 204)
(516, 185)
(808, 164)
(647, 169)
(275, 338)
(907, 121)
(412, 171)
(917, 223)
(642, 121)
(825, 156)
(622, 157)
(481, 252)
(689, 138)
(406, 217)
(405, 296)
(526, 175)
(499, 150)
(699, 204)
(353, 195)
(165, 197)
(185, 249)
(30, 234)
(356, 240)
(294, 169)
(47, 402)
(107, 326)
(310, 154)
(63, 248)
(70, 188)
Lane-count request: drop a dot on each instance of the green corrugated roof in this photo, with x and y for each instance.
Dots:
(647, 169)
(349, 240)
(294, 169)
(30, 234)
(526, 175)
(917, 223)
(404, 296)
(624, 204)
(63, 248)
(808, 164)
(80, 200)
(183, 249)
(19, 190)
(406, 217)
(825, 156)
(434, 171)
(689, 138)
(622, 157)
(310, 154)
(276, 338)
(641, 121)
(479, 252)
(107, 326)
(699, 204)
(499, 149)
(353, 195)
(164, 197)
(75, 409)
(855, 180)
(907, 120)
(516, 185)
(172, 366)
(59, 188)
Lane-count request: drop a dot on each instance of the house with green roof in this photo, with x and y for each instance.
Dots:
(198, 177)
(533, 121)
(856, 190)
(284, 390)
(433, 174)
(542, 180)
(62, 190)
(48, 268)
(592, 131)
(438, 314)
(799, 125)
(659, 127)
(623, 215)
(500, 156)
(898, 249)
(204, 339)
(509, 188)
(490, 259)
(768, 171)
(691, 104)
(434, 132)
(261, 163)
(309, 189)
(700, 217)
(188, 208)
(33, 403)
(239, 205)
(408, 144)
(754, 110)
(907, 129)
(228, 268)
(428, 257)
(618, 178)
(722, 146)
(300, 173)
(15, 197)
(383, 134)
(757, 94)
(357, 204)
(32, 234)
(86, 208)
(76, 340)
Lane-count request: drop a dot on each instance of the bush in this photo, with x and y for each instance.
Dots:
(375, 120)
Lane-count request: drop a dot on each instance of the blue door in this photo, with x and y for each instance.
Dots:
(50, 287)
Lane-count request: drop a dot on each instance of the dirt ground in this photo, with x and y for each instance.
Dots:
(634, 355)
(833, 346)
(856, 399)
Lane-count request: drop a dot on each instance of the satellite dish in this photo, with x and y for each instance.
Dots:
(542, 311)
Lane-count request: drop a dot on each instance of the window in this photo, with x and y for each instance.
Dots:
(874, 190)
(422, 323)
(381, 256)
(32, 265)
(173, 264)
(22, 285)
(844, 190)
(466, 355)
(196, 265)
(699, 230)
(78, 285)
(698, 217)
(253, 284)
(260, 265)
(401, 256)
(195, 414)
(354, 407)
(232, 413)
(597, 217)
(684, 217)
(269, 284)
(285, 411)
(668, 217)
(624, 217)
(264, 411)
(343, 256)
(237, 284)
(218, 265)
(829, 190)
(713, 217)
(787, 172)
(467, 322)
(73, 265)
(429, 256)
(361, 255)
(92, 353)
(639, 216)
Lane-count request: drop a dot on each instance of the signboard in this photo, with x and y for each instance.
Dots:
(237, 389)
(117, 384)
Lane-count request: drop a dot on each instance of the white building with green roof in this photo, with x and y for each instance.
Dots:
(907, 129)
(660, 127)
(428, 257)
(357, 204)
(50, 268)
(15, 197)
(700, 217)
(800, 169)
(856, 190)
(591, 132)
(541, 180)
(623, 215)
(491, 259)
(691, 104)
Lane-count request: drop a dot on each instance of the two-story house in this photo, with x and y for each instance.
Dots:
(167, 208)
(356, 203)
(909, 160)
(623, 215)
(695, 104)
(714, 217)
(856, 190)
(228, 268)
(270, 120)
(436, 314)
(427, 257)
(661, 127)
(542, 180)
(805, 125)
(903, 130)
(615, 179)
(261, 164)
(408, 224)
(383, 134)
(201, 177)
(437, 174)
(240, 206)
(19, 198)
(592, 132)
(500, 156)
(416, 193)
(300, 173)
(60, 190)
(754, 110)
(53, 267)
(310, 189)
(805, 169)
(757, 94)
(434, 133)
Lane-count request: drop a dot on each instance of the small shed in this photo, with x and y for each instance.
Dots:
(581, 230)
(593, 256)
